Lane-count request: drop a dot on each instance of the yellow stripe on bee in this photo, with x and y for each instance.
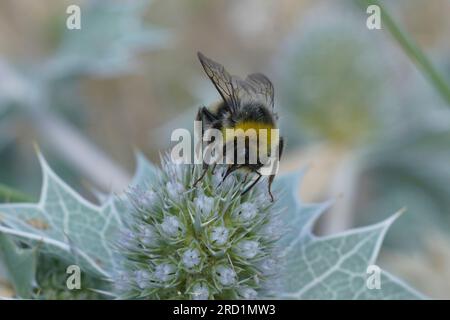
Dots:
(262, 130)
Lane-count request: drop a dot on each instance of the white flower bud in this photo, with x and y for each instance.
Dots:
(148, 236)
(164, 272)
(200, 292)
(148, 199)
(142, 278)
(247, 293)
(248, 248)
(219, 235)
(226, 275)
(171, 226)
(175, 190)
(205, 204)
(269, 266)
(191, 258)
(247, 211)
(226, 184)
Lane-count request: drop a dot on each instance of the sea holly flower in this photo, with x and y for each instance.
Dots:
(197, 242)
(152, 251)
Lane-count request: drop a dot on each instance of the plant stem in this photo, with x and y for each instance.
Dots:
(412, 50)
(8, 194)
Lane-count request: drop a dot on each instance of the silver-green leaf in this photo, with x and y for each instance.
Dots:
(20, 265)
(64, 224)
(331, 267)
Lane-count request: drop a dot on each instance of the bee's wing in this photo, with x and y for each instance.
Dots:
(222, 80)
(260, 87)
(236, 91)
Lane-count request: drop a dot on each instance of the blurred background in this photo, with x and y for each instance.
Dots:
(373, 130)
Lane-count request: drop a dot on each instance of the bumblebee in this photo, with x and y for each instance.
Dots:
(246, 104)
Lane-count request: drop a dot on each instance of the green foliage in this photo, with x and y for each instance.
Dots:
(411, 171)
(332, 267)
(66, 227)
(328, 79)
(20, 265)
(349, 85)
(51, 278)
(112, 34)
(412, 50)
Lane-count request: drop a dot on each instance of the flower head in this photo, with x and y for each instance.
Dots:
(206, 241)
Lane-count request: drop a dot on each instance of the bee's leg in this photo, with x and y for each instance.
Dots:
(206, 164)
(245, 178)
(253, 184)
(280, 148)
(230, 169)
(271, 177)
(214, 168)
(205, 169)
(199, 145)
(207, 118)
